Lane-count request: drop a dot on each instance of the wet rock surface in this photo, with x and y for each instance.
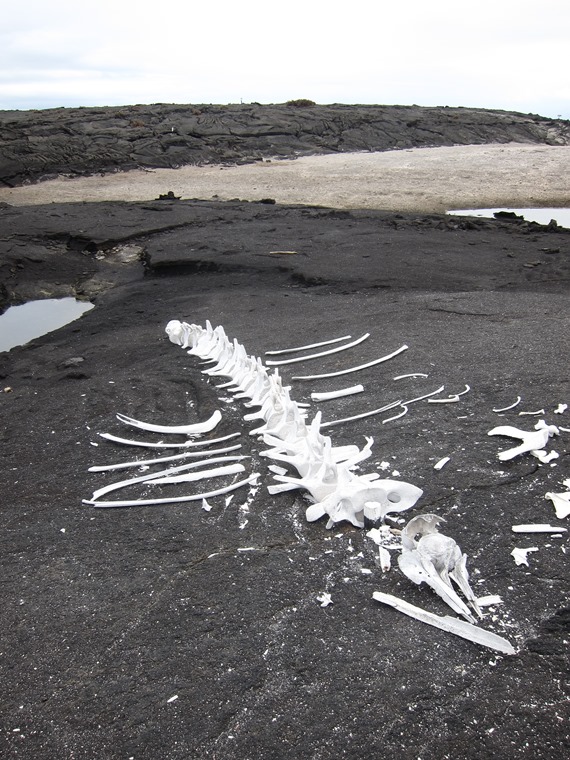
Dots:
(74, 141)
(173, 632)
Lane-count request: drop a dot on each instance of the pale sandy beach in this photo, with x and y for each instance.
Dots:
(427, 180)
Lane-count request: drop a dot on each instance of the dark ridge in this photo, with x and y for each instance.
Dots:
(36, 145)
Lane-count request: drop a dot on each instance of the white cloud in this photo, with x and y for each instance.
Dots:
(509, 55)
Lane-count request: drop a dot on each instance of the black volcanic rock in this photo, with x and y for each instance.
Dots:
(39, 144)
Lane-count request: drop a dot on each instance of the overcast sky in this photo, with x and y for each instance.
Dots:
(507, 54)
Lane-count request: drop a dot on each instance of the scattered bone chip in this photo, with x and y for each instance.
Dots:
(325, 599)
(520, 556)
(489, 601)
(561, 502)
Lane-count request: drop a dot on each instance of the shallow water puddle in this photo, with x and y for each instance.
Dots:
(539, 215)
(20, 324)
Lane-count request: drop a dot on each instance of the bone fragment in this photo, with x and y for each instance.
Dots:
(411, 374)
(489, 601)
(561, 503)
(441, 463)
(385, 559)
(325, 599)
(520, 556)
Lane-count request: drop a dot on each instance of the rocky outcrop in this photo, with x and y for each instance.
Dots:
(37, 145)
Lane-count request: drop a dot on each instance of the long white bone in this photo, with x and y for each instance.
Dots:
(159, 460)
(363, 415)
(190, 477)
(174, 500)
(306, 348)
(321, 353)
(353, 369)
(150, 476)
(447, 623)
(192, 430)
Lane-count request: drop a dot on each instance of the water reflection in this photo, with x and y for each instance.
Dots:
(20, 324)
(540, 215)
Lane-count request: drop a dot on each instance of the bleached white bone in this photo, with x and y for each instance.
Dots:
(520, 556)
(348, 500)
(194, 497)
(447, 623)
(537, 528)
(436, 559)
(159, 460)
(153, 475)
(190, 477)
(297, 359)
(396, 416)
(507, 408)
(353, 369)
(363, 415)
(533, 440)
(306, 348)
(561, 503)
(326, 472)
(337, 394)
(160, 444)
(425, 395)
(191, 430)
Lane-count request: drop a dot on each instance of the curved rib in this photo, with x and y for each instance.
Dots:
(396, 416)
(196, 429)
(304, 348)
(190, 477)
(321, 353)
(411, 374)
(426, 395)
(173, 500)
(352, 369)
(151, 475)
(161, 460)
(512, 406)
(361, 416)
